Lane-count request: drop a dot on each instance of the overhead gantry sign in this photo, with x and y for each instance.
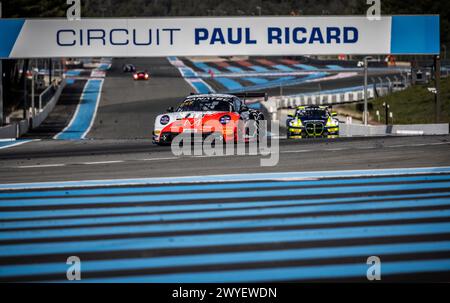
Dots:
(278, 36)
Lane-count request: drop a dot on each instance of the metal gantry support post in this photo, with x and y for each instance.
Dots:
(33, 78)
(50, 71)
(25, 94)
(365, 114)
(386, 112)
(437, 96)
(259, 9)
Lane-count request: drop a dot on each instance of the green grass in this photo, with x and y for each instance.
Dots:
(414, 105)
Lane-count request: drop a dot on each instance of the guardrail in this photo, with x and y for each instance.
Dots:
(46, 96)
(14, 130)
(351, 130)
(49, 106)
(17, 129)
(297, 72)
(337, 96)
(329, 97)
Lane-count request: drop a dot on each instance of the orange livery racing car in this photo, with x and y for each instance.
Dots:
(225, 116)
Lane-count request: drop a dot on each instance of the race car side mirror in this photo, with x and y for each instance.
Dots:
(333, 114)
(170, 110)
(291, 116)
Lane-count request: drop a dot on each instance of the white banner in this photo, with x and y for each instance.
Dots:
(196, 37)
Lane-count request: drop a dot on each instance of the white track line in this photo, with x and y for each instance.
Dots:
(158, 159)
(102, 162)
(296, 151)
(17, 143)
(229, 178)
(42, 166)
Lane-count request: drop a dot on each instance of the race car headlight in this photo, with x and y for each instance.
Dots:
(225, 119)
(331, 122)
(296, 123)
(164, 120)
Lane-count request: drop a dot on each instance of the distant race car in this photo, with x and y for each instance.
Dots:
(312, 121)
(128, 68)
(210, 114)
(72, 63)
(141, 75)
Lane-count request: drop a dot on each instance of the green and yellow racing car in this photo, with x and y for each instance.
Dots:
(312, 121)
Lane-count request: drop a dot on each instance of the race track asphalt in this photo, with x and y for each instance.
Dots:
(52, 160)
(128, 108)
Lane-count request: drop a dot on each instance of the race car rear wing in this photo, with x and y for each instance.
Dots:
(251, 95)
(247, 95)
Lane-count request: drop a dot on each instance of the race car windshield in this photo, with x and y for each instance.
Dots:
(204, 105)
(313, 114)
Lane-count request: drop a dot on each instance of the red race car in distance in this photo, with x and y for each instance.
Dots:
(141, 75)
